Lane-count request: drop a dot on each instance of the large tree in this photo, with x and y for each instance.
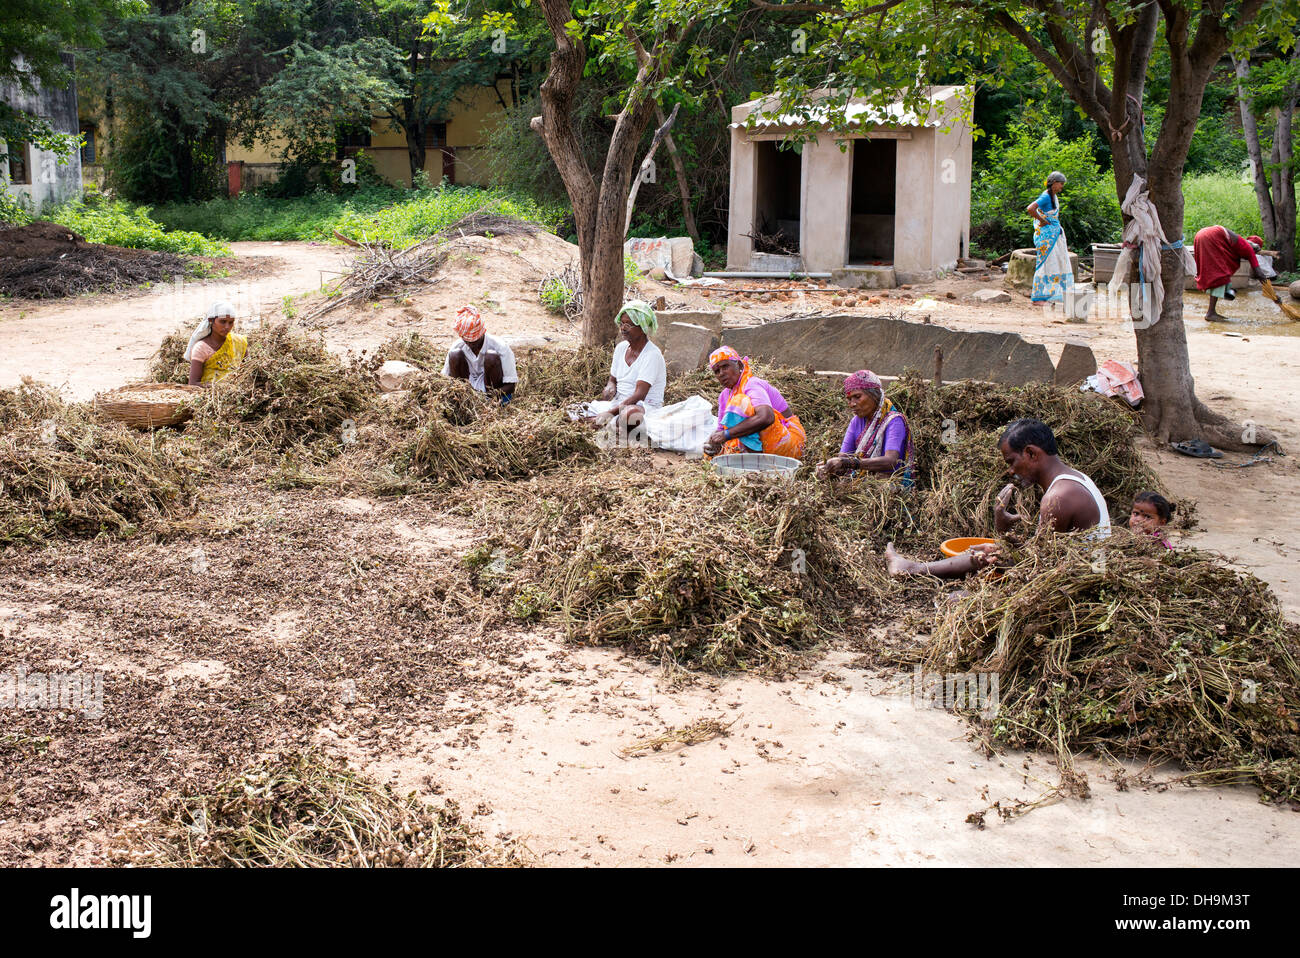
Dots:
(1101, 54)
(35, 38)
(654, 45)
(1272, 86)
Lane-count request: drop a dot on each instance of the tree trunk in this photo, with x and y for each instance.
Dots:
(412, 113)
(1250, 128)
(682, 186)
(1171, 412)
(1285, 199)
(599, 210)
(415, 150)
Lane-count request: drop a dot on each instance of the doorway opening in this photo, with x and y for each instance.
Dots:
(778, 176)
(871, 213)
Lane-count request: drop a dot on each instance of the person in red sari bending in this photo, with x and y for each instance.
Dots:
(1219, 251)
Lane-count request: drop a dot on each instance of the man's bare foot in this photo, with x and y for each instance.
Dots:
(1215, 318)
(897, 564)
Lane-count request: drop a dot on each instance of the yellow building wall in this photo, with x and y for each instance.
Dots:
(469, 119)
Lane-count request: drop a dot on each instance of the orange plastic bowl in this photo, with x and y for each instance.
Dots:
(955, 547)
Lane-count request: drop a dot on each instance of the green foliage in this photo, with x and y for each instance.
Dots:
(1013, 175)
(376, 214)
(12, 212)
(555, 294)
(40, 32)
(425, 213)
(630, 272)
(1220, 199)
(319, 169)
(319, 91)
(121, 224)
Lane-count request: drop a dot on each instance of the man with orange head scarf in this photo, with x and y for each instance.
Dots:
(487, 362)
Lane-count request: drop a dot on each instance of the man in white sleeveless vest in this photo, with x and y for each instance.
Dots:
(1071, 501)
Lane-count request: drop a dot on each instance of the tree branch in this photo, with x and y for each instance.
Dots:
(1084, 97)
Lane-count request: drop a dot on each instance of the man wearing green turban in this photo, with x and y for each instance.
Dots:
(638, 373)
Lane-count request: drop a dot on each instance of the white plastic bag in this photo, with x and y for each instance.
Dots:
(682, 427)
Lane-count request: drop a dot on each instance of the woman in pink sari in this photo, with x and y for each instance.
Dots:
(753, 416)
(878, 440)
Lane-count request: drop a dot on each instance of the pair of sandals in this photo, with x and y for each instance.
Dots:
(1196, 448)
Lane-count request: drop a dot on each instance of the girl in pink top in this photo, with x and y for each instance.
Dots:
(1151, 511)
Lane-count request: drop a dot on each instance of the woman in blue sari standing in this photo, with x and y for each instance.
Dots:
(1052, 272)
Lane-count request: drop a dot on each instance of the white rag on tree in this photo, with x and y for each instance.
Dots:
(1144, 232)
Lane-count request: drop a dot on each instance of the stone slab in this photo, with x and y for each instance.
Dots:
(685, 346)
(396, 374)
(708, 318)
(662, 252)
(991, 296)
(890, 347)
(1076, 364)
(1020, 268)
(865, 277)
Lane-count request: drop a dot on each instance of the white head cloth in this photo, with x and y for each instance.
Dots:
(204, 328)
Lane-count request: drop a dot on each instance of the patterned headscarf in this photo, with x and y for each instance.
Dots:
(642, 314)
(872, 441)
(469, 324)
(865, 380)
(728, 352)
(1255, 241)
(723, 353)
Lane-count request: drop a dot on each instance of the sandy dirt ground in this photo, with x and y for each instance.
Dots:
(89, 344)
(834, 766)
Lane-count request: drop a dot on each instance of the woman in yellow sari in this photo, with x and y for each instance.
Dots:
(215, 349)
(752, 415)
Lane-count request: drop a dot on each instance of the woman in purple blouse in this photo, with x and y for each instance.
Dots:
(878, 440)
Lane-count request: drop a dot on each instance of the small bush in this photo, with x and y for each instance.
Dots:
(1220, 199)
(384, 214)
(120, 224)
(1014, 175)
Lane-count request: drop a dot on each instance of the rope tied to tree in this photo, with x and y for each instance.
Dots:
(1144, 234)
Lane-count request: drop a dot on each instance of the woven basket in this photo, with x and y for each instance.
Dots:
(147, 405)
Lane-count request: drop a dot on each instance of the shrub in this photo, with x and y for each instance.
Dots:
(120, 224)
(1014, 174)
(1220, 199)
(386, 214)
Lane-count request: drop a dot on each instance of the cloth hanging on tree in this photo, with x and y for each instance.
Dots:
(1144, 234)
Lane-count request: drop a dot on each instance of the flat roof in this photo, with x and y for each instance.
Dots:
(857, 112)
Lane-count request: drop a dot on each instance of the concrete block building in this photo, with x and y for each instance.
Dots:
(36, 177)
(892, 206)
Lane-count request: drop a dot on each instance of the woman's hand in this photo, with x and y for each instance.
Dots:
(716, 442)
(986, 554)
(834, 466)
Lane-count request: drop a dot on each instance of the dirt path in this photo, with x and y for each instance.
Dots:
(348, 623)
(833, 767)
(88, 344)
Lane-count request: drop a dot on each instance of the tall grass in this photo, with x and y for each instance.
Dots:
(391, 215)
(1220, 199)
(122, 224)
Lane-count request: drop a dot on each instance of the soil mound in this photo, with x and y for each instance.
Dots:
(44, 260)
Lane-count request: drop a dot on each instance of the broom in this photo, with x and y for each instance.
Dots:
(1291, 312)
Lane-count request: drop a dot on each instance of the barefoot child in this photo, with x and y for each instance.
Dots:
(1150, 513)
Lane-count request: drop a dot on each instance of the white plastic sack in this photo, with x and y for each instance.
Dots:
(682, 427)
